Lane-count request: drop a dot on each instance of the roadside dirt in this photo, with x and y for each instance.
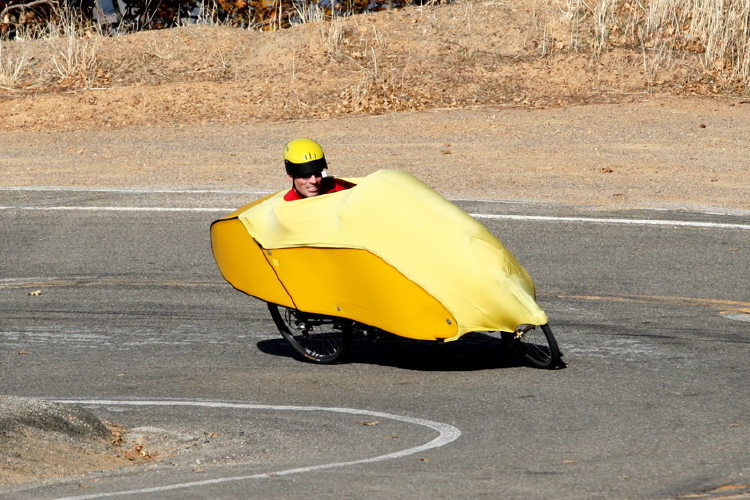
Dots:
(41, 439)
(478, 99)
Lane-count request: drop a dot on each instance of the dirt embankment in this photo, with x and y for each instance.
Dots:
(41, 439)
(465, 55)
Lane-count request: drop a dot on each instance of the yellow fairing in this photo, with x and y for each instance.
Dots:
(390, 252)
(243, 263)
(356, 284)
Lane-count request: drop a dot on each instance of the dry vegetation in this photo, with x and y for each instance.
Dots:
(466, 54)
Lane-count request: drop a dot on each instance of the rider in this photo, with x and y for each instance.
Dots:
(305, 166)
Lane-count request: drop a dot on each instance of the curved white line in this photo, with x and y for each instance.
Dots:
(447, 434)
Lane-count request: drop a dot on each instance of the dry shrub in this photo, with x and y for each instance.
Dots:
(712, 36)
(378, 90)
(75, 43)
(11, 67)
(362, 47)
(73, 60)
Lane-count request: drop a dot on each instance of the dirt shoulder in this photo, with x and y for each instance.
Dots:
(43, 439)
(661, 152)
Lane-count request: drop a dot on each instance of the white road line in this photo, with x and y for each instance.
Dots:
(649, 222)
(643, 222)
(135, 190)
(737, 316)
(122, 209)
(447, 434)
(590, 220)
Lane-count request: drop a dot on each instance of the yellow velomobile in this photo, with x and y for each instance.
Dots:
(390, 254)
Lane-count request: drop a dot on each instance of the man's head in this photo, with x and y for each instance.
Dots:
(305, 164)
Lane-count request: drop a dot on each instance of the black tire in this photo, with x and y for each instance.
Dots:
(539, 348)
(317, 338)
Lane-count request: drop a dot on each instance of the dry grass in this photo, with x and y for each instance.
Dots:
(75, 58)
(74, 47)
(308, 13)
(11, 68)
(363, 47)
(709, 38)
(665, 29)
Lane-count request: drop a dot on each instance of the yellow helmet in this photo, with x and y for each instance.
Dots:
(303, 157)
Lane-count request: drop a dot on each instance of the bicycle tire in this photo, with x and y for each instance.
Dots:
(539, 348)
(326, 341)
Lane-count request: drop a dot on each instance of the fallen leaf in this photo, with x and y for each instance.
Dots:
(23, 352)
(369, 422)
(138, 452)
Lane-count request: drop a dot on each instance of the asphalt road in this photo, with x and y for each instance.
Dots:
(134, 322)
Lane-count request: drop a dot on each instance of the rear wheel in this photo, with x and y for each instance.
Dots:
(538, 347)
(317, 338)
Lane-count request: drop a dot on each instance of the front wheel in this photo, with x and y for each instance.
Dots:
(538, 347)
(317, 338)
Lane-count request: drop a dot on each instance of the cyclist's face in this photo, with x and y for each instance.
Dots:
(308, 186)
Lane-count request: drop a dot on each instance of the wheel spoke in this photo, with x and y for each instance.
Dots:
(321, 339)
(539, 347)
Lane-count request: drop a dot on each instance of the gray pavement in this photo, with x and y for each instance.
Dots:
(134, 321)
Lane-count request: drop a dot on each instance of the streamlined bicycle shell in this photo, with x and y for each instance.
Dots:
(389, 252)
